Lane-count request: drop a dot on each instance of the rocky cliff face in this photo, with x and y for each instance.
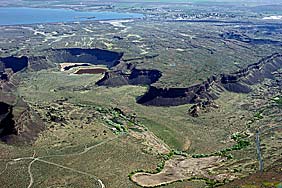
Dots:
(238, 82)
(134, 77)
(79, 55)
(176, 96)
(14, 63)
(208, 90)
(241, 80)
(10, 65)
(18, 124)
(7, 124)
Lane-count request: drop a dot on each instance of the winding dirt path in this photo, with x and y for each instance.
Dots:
(30, 174)
(3, 171)
(41, 159)
(71, 169)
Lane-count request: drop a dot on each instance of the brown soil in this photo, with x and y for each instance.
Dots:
(153, 143)
(180, 168)
(186, 145)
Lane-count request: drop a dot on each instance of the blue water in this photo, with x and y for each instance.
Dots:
(20, 15)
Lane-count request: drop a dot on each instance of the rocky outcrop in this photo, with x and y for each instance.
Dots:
(178, 96)
(256, 72)
(132, 77)
(238, 82)
(7, 124)
(201, 107)
(18, 124)
(37, 63)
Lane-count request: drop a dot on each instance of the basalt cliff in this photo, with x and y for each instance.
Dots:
(239, 82)
(131, 77)
(18, 123)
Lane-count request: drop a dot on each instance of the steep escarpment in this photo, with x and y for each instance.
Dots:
(238, 82)
(131, 77)
(178, 96)
(14, 63)
(241, 80)
(93, 70)
(79, 55)
(10, 65)
(7, 124)
(18, 124)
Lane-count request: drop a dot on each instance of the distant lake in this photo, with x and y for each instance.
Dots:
(21, 15)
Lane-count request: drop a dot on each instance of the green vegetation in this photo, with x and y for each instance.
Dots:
(272, 184)
(160, 165)
(163, 132)
(242, 143)
(258, 115)
(278, 185)
(116, 119)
